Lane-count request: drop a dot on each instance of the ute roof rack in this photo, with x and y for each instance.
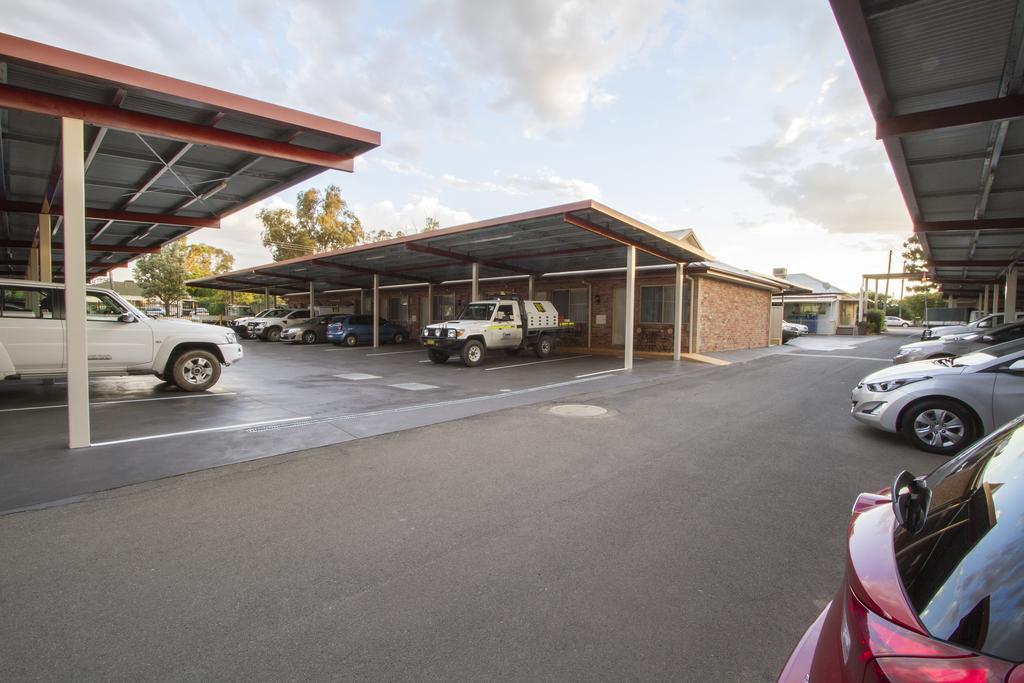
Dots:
(504, 295)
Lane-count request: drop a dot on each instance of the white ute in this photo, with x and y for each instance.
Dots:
(506, 322)
(122, 340)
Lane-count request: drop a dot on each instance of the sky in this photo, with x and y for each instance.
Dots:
(741, 120)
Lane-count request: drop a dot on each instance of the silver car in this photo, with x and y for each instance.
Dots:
(943, 405)
(953, 345)
(310, 332)
(980, 325)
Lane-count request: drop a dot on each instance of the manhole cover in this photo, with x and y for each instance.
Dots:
(577, 410)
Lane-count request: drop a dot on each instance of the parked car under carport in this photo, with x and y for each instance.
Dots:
(312, 331)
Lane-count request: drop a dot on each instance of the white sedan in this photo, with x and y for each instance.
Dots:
(896, 321)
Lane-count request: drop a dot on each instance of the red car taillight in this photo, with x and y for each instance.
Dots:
(890, 653)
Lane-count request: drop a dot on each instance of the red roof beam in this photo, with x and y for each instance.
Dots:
(121, 216)
(985, 111)
(615, 237)
(59, 246)
(463, 258)
(12, 97)
(977, 224)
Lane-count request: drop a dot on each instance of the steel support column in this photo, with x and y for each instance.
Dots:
(630, 296)
(529, 287)
(45, 249)
(312, 294)
(266, 298)
(995, 298)
(430, 305)
(475, 294)
(984, 299)
(76, 341)
(677, 333)
(1010, 300)
(375, 312)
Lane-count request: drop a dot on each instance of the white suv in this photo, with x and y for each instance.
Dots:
(122, 340)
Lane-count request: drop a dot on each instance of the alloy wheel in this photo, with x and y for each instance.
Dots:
(939, 428)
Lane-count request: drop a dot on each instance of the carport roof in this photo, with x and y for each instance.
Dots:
(164, 157)
(581, 236)
(943, 80)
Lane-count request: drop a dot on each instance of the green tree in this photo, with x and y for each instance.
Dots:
(913, 305)
(204, 260)
(162, 276)
(914, 262)
(431, 224)
(320, 222)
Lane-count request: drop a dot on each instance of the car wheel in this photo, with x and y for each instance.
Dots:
(905, 325)
(195, 370)
(399, 338)
(473, 353)
(514, 352)
(439, 357)
(309, 337)
(272, 334)
(545, 346)
(351, 340)
(939, 426)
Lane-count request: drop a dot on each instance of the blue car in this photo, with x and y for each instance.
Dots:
(358, 329)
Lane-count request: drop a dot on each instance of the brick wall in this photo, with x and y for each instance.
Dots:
(731, 316)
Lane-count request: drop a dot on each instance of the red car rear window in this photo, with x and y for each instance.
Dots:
(964, 571)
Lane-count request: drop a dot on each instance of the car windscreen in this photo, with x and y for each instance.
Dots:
(991, 353)
(477, 312)
(274, 313)
(964, 571)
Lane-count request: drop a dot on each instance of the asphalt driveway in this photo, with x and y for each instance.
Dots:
(690, 533)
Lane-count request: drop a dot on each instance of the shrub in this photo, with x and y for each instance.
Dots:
(875, 320)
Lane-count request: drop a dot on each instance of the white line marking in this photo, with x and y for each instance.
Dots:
(414, 386)
(127, 400)
(535, 362)
(357, 376)
(602, 372)
(200, 431)
(392, 353)
(834, 355)
(424, 361)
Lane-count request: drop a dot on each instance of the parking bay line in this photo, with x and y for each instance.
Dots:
(127, 400)
(393, 353)
(601, 372)
(288, 422)
(833, 355)
(535, 362)
(222, 428)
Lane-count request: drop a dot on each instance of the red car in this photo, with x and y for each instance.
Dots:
(934, 584)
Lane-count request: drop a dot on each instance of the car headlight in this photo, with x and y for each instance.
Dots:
(232, 338)
(452, 334)
(904, 350)
(891, 384)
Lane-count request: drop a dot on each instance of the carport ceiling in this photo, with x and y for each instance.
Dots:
(572, 237)
(199, 154)
(943, 80)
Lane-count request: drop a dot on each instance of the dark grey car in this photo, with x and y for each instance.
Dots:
(313, 331)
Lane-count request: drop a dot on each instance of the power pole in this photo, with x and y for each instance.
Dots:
(888, 271)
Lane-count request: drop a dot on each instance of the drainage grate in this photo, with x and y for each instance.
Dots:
(286, 425)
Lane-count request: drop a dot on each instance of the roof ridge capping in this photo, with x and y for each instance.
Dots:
(32, 53)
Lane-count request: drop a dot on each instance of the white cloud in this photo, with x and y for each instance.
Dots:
(411, 216)
(543, 181)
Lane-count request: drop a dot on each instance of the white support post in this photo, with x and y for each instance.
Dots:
(1010, 300)
(952, 304)
(984, 300)
(374, 312)
(266, 297)
(861, 302)
(312, 300)
(45, 251)
(630, 296)
(475, 294)
(430, 305)
(995, 299)
(677, 333)
(76, 339)
(529, 287)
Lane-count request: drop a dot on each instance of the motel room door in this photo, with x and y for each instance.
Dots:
(618, 316)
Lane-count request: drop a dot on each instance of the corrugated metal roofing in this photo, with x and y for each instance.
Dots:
(538, 242)
(147, 174)
(917, 57)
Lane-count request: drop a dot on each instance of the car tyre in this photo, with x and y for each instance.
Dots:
(351, 340)
(473, 353)
(439, 357)
(905, 325)
(309, 337)
(399, 338)
(545, 346)
(195, 370)
(940, 426)
(272, 334)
